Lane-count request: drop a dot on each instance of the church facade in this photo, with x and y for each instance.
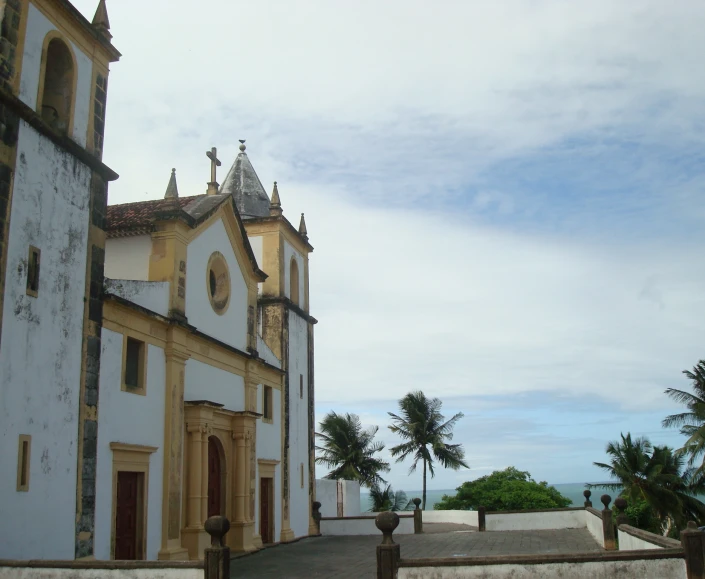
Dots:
(156, 357)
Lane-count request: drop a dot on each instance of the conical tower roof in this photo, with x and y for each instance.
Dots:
(244, 185)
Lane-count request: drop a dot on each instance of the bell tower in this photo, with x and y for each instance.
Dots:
(286, 326)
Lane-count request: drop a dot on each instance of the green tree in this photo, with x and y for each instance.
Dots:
(504, 490)
(425, 431)
(692, 421)
(385, 499)
(349, 450)
(654, 475)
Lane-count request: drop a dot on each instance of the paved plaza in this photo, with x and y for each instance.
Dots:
(354, 557)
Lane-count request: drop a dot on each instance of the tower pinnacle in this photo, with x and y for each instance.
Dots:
(302, 228)
(172, 192)
(101, 21)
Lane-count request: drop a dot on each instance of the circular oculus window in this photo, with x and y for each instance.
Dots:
(218, 283)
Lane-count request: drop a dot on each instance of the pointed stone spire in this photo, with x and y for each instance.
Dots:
(100, 20)
(275, 207)
(302, 228)
(172, 191)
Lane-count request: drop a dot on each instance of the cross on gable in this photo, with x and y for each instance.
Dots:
(212, 155)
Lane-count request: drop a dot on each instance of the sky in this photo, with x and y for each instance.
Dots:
(505, 199)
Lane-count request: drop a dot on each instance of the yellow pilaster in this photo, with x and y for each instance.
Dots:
(176, 354)
(168, 262)
(195, 483)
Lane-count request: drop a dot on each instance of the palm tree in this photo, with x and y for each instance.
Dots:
(655, 475)
(425, 431)
(385, 499)
(691, 422)
(349, 450)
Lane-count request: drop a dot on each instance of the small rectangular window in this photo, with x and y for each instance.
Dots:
(301, 386)
(302, 475)
(267, 404)
(23, 463)
(33, 271)
(134, 365)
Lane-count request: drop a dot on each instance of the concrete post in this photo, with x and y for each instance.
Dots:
(388, 552)
(694, 546)
(621, 505)
(418, 517)
(216, 558)
(316, 516)
(608, 524)
(587, 494)
(481, 519)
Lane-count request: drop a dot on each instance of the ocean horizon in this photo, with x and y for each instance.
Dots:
(572, 491)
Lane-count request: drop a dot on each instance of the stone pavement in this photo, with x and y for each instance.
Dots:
(354, 557)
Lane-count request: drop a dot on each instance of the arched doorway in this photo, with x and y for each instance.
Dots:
(215, 478)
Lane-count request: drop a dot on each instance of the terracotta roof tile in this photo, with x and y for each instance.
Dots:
(140, 215)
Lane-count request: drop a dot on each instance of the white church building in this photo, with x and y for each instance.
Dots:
(156, 357)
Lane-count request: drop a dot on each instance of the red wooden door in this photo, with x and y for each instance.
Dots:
(126, 515)
(214, 479)
(265, 512)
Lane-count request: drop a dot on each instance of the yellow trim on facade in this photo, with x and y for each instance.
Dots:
(141, 388)
(58, 14)
(24, 455)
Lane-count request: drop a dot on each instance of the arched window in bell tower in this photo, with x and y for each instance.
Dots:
(294, 281)
(58, 86)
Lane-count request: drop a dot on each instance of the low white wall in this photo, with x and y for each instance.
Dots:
(351, 498)
(47, 573)
(631, 539)
(363, 526)
(327, 495)
(460, 517)
(643, 569)
(594, 525)
(535, 521)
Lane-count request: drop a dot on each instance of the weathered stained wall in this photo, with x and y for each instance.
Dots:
(133, 419)
(643, 569)
(152, 295)
(205, 382)
(38, 26)
(231, 327)
(298, 424)
(266, 354)
(40, 359)
(128, 257)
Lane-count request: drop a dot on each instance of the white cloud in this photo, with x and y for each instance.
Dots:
(383, 121)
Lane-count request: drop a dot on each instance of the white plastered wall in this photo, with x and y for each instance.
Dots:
(204, 382)
(231, 327)
(38, 26)
(128, 257)
(298, 424)
(268, 437)
(40, 359)
(132, 419)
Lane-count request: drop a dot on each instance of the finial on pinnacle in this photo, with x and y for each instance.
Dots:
(606, 500)
(172, 191)
(275, 205)
(302, 227)
(242, 145)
